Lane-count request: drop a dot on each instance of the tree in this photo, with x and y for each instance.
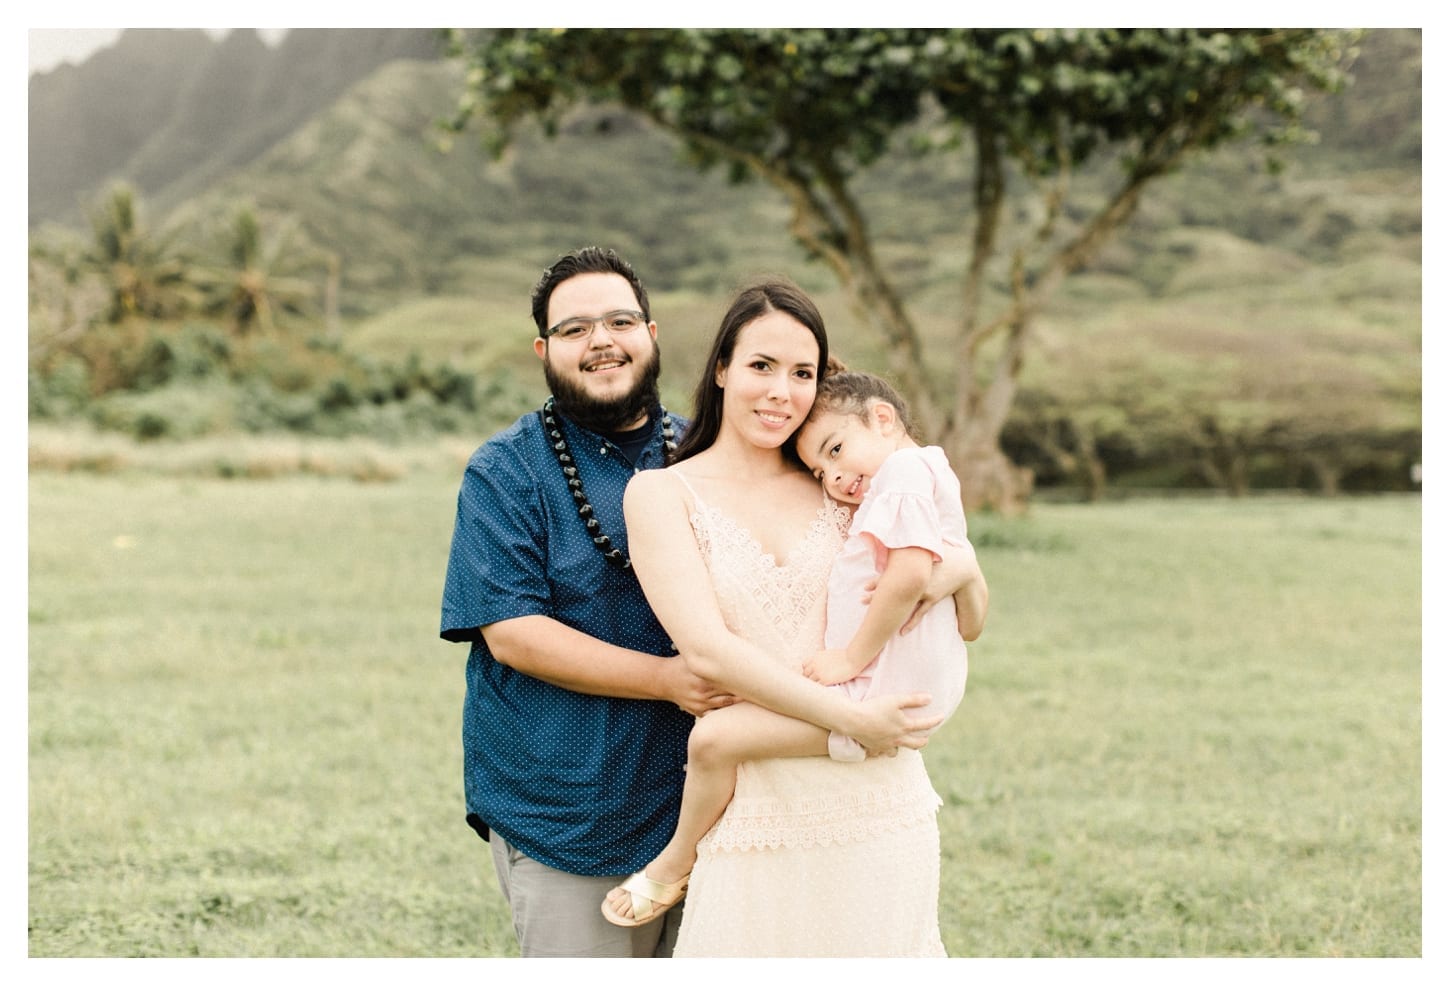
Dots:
(66, 298)
(808, 111)
(142, 273)
(258, 275)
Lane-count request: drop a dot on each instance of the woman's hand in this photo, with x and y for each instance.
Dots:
(885, 723)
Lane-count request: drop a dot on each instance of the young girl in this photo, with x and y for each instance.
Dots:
(856, 442)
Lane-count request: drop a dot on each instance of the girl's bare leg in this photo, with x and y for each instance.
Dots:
(719, 743)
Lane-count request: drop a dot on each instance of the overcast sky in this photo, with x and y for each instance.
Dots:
(51, 46)
(48, 48)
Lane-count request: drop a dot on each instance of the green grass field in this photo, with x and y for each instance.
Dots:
(1192, 728)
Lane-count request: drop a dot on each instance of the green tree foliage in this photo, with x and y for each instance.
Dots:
(808, 111)
(65, 298)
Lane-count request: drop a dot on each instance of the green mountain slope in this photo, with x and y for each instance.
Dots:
(173, 111)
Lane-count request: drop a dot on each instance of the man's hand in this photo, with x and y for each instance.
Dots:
(689, 691)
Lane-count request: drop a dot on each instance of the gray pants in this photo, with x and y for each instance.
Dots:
(557, 914)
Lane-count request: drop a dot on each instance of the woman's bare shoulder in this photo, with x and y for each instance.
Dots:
(654, 480)
(656, 486)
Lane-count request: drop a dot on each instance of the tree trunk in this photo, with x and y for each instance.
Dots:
(1238, 474)
(331, 322)
(990, 480)
(1091, 469)
(1095, 479)
(1226, 468)
(1327, 472)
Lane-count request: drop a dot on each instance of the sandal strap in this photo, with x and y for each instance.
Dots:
(653, 890)
(643, 892)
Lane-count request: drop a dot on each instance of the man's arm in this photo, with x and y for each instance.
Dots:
(496, 585)
(544, 648)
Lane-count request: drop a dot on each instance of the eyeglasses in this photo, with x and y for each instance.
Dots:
(579, 328)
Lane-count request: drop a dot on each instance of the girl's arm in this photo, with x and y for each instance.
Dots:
(898, 591)
(679, 589)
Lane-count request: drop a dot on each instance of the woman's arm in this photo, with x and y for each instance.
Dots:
(677, 584)
(957, 575)
(970, 594)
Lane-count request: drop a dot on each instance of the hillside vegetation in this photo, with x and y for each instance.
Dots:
(1248, 328)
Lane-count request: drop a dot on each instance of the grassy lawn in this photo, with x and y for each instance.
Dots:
(1192, 728)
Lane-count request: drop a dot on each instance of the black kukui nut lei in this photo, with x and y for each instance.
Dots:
(601, 540)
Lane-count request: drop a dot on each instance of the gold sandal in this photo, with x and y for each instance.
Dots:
(645, 893)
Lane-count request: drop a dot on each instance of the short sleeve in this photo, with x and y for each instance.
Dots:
(496, 563)
(900, 508)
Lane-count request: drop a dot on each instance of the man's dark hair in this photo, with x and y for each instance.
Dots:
(588, 260)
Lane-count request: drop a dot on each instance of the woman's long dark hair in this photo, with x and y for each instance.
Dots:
(776, 294)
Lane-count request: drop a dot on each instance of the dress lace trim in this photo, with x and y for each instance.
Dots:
(858, 814)
(774, 604)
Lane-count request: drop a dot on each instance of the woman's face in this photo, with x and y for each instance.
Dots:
(770, 382)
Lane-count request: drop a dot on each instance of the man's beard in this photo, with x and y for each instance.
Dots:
(606, 416)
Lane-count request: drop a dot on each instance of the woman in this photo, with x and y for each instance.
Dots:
(732, 545)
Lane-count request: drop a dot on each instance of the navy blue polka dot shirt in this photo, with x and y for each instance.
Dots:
(582, 783)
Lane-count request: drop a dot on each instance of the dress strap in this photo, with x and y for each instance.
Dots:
(699, 501)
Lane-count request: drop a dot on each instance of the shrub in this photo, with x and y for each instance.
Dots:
(195, 352)
(262, 407)
(62, 392)
(182, 410)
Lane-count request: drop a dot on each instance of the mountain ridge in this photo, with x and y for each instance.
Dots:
(173, 110)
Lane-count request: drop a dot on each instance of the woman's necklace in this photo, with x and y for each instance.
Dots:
(601, 540)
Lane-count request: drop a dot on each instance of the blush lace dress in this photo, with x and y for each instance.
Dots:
(812, 857)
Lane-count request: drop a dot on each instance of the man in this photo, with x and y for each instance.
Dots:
(577, 715)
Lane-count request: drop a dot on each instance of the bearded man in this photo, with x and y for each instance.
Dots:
(577, 712)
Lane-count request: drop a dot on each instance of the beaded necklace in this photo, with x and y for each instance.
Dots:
(601, 540)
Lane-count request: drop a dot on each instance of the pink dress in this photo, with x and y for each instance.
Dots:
(914, 501)
(813, 857)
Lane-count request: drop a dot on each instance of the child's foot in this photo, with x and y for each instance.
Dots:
(641, 899)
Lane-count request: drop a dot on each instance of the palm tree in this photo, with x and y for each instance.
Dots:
(142, 273)
(259, 275)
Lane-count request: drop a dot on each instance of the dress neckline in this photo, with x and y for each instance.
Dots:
(828, 515)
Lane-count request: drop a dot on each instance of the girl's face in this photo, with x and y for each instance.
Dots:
(844, 452)
(770, 381)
